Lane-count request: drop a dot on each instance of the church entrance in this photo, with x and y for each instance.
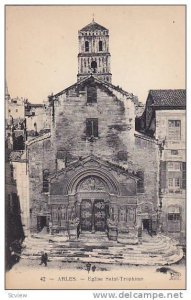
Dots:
(99, 216)
(93, 215)
(41, 222)
(147, 225)
(86, 215)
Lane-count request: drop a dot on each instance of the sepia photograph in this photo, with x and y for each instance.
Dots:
(95, 147)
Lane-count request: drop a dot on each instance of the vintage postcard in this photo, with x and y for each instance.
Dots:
(95, 187)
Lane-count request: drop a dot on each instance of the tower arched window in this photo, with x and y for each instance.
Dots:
(94, 66)
(86, 46)
(100, 46)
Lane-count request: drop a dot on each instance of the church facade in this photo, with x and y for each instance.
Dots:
(92, 171)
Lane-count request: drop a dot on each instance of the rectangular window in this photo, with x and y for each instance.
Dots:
(91, 94)
(92, 127)
(177, 166)
(177, 182)
(174, 216)
(174, 166)
(170, 217)
(170, 165)
(174, 185)
(174, 152)
(170, 182)
(173, 222)
(174, 129)
(122, 155)
(174, 176)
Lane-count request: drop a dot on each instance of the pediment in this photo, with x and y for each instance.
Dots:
(106, 86)
(93, 162)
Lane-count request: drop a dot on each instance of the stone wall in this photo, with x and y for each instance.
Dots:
(145, 158)
(115, 120)
(37, 120)
(21, 175)
(116, 144)
(40, 156)
(172, 151)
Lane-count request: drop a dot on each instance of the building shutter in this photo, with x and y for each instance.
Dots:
(88, 128)
(95, 128)
(184, 175)
(162, 175)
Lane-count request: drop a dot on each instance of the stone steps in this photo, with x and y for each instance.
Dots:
(135, 249)
(96, 248)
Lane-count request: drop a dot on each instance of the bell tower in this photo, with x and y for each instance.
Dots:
(94, 56)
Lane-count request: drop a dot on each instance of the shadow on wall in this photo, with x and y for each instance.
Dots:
(14, 236)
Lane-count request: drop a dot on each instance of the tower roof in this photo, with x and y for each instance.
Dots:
(93, 26)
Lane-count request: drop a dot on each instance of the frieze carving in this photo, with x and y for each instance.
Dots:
(92, 183)
(146, 207)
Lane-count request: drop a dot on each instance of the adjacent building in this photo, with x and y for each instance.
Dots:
(164, 119)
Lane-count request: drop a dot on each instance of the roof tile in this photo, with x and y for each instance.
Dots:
(170, 98)
(93, 26)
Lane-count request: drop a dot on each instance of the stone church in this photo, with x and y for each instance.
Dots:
(93, 172)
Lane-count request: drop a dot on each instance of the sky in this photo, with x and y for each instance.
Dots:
(147, 46)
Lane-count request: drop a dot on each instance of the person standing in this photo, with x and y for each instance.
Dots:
(44, 259)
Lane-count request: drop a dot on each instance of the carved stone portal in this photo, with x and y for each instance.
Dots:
(92, 183)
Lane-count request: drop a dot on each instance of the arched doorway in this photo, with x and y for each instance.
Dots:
(93, 197)
(91, 191)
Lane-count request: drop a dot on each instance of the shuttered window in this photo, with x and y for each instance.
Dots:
(174, 129)
(174, 219)
(176, 176)
(184, 175)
